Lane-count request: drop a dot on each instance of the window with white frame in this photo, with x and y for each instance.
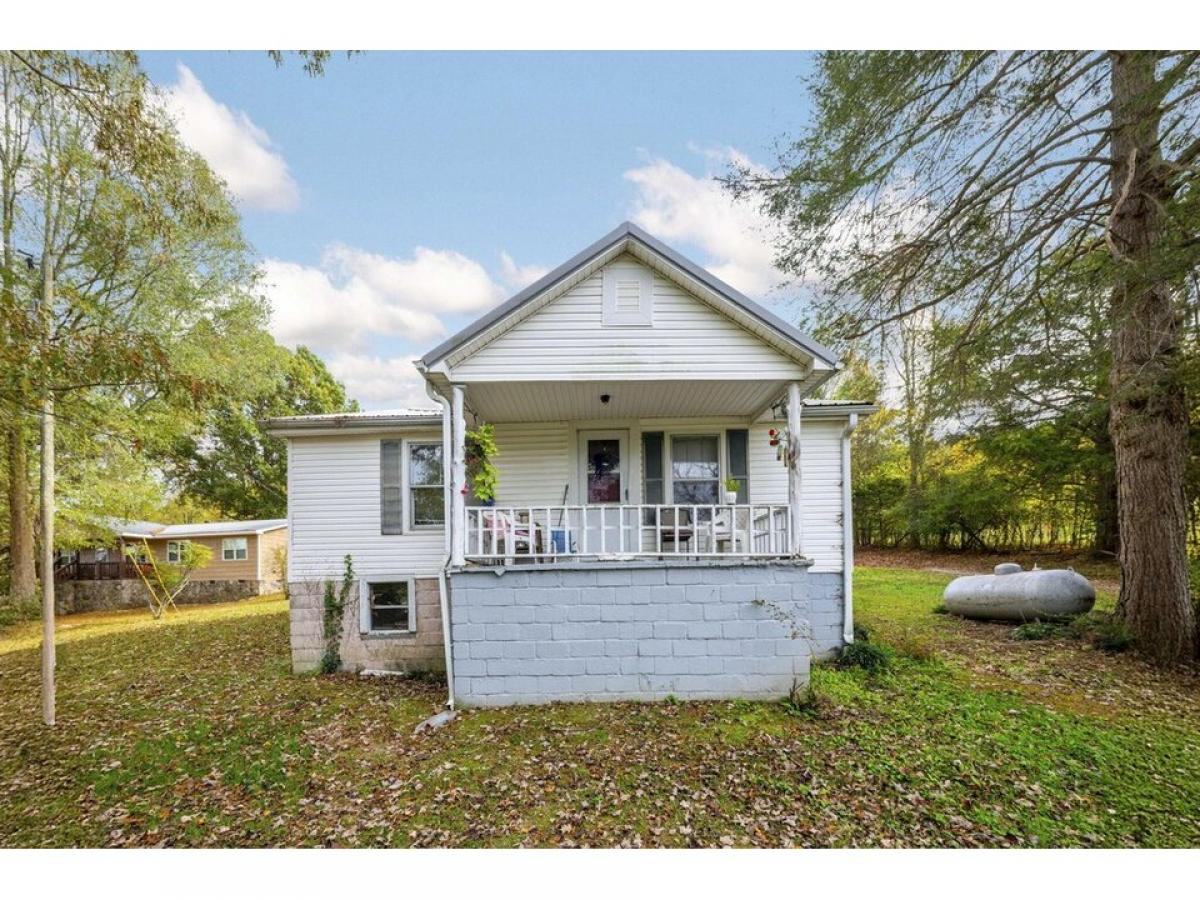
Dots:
(174, 551)
(426, 486)
(388, 604)
(695, 469)
(234, 549)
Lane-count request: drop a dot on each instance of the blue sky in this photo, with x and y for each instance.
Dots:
(402, 194)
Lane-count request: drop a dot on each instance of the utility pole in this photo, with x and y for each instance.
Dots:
(46, 311)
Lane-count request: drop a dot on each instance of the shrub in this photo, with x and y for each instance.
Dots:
(1039, 631)
(864, 655)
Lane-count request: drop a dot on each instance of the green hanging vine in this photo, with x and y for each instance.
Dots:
(482, 474)
(334, 621)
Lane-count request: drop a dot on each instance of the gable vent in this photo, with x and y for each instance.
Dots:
(628, 297)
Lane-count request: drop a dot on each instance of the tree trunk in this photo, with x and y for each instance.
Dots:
(1149, 421)
(22, 577)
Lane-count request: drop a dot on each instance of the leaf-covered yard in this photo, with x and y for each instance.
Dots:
(192, 732)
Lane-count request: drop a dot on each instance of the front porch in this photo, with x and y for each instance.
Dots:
(623, 476)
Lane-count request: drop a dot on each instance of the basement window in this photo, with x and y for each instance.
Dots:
(628, 296)
(388, 605)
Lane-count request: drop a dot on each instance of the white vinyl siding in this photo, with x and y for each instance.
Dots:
(334, 506)
(821, 480)
(567, 340)
(535, 462)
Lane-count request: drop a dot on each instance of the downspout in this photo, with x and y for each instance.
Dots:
(847, 535)
(443, 590)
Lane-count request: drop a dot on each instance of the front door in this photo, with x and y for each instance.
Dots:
(604, 476)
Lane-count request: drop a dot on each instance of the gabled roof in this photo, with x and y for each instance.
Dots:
(625, 233)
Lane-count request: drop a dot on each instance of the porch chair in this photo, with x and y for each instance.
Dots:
(512, 534)
(668, 519)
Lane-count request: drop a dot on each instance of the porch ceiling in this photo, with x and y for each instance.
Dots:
(554, 401)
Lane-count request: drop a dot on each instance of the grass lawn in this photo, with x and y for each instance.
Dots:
(192, 732)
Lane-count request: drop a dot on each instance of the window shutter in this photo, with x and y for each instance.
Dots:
(738, 440)
(391, 505)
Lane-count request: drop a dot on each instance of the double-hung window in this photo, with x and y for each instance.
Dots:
(234, 549)
(174, 551)
(695, 469)
(411, 486)
(426, 486)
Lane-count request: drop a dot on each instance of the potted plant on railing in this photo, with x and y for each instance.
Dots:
(481, 471)
(732, 486)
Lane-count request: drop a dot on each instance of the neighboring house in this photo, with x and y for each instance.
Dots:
(246, 559)
(623, 388)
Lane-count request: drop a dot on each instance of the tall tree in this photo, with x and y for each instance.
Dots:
(15, 268)
(951, 179)
(228, 462)
(144, 277)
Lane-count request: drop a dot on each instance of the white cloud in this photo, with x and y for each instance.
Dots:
(380, 382)
(674, 205)
(237, 149)
(354, 297)
(309, 307)
(516, 277)
(437, 279)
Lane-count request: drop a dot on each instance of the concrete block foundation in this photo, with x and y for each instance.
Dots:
(640, 630)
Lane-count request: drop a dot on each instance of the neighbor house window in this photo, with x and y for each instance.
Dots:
(695, 469)
(174, 551)
(426, 486)
(738, 455)
(391, 491)
(388, 605)
(233, 549)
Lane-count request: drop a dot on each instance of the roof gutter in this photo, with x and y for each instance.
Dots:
(298, 426)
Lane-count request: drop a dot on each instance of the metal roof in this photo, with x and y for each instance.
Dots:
(627, 231)
(375, 419)
(136, 529)
(206, 529)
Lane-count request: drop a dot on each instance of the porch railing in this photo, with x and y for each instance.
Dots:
(548, 533)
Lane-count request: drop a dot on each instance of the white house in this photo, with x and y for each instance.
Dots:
(623, 389)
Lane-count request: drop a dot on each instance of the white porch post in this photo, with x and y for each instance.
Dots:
(795, 493)
(458, 478)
